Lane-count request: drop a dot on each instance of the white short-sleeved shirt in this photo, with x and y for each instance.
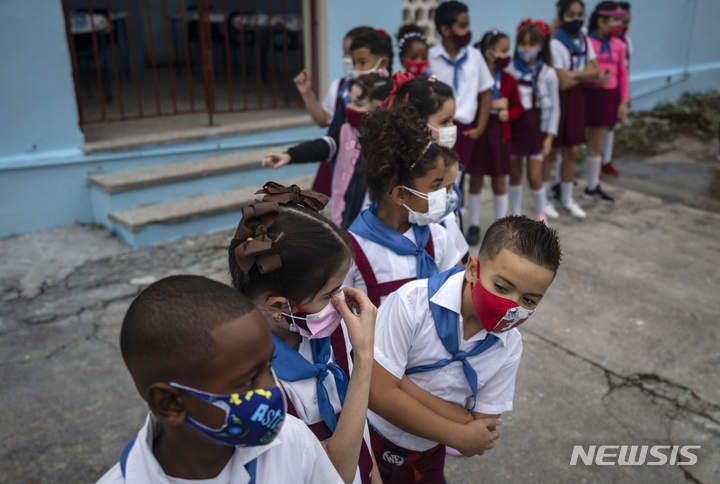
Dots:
(561, 54)
(303, 393)
(328, 103)
(547, 99)
(294, 456)
(473, 78)
(405, 337)
(448, 244)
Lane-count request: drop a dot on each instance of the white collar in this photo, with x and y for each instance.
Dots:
(449, 296)
(439, 51)
(142, 466)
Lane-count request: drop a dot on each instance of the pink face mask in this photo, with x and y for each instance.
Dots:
(315, 325)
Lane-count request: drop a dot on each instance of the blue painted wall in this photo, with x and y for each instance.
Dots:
(37, 100)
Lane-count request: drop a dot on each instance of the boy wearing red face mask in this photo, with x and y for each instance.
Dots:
(447, 351)
(413, 49)
(461, 66)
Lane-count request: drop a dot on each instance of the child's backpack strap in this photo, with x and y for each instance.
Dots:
(124, 456)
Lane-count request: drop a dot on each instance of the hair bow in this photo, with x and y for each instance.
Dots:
(275, 192)
(398, 79)
(382, 32)
(544, 28)
(252, 244)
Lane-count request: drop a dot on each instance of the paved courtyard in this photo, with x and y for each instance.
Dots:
(625, 349)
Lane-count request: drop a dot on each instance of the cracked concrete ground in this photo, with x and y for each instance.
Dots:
(623, 350)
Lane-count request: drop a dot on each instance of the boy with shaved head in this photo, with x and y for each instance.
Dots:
(447, 351)
(199, 353)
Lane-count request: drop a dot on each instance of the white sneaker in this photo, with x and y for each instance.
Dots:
(574, 209)
(550, 210)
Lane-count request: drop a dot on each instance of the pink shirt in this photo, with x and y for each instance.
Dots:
(616, 61)
(347, 155)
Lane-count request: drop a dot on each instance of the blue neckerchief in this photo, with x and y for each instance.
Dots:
(563, 37)
(446, 325)
(604, 44)
(456, 65)
(367, 225)
(524, 69)
(289, 365)
(458, 209)
(496, 85)
(250, 467)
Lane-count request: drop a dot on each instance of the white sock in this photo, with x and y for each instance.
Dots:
(539, 199)
(593, 171)
(546, 189)
(555, 173)
(473, 205)
(608, 147)
(566, 192)
(515, 197)
(500, 205)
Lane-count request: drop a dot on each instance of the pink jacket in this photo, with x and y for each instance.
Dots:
(347, 155)
(616, 62)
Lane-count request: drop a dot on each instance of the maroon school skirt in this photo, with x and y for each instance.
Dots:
(402, 466)
(601, 106)
(571, 131)
(323, 178)
(464, 145)
(527, 139)
(492, 153)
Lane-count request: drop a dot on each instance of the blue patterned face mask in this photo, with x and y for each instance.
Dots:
(251, 418)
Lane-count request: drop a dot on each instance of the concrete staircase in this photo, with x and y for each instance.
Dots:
(152, 204)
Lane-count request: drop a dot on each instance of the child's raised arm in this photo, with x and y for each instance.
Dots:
(343, 447)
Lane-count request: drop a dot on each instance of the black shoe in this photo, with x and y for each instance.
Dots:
(473, 235)
(556, 191)
(598, 195)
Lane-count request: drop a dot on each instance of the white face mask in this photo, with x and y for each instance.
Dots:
(447, 135)
(440, 203)
(528, 54)
(347, 65)
(355, 74)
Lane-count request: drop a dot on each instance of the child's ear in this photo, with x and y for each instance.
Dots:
(384, 62)
(471, 270)
(398, 195)
(166, 403)
(445, 30)
(276, 305)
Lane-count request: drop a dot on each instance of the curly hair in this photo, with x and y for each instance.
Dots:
(398, 149)
(373, 85)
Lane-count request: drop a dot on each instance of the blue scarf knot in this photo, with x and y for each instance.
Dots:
(368, 226)
(289, 365)
(604, 44)
(524, 69)
(456, 65)
(568, 42)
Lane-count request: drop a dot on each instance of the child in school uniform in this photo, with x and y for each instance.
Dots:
(533, 132)
(574, 61)
(492, 150)
(199, 353)
(605, 104)
(366, 93)
(291, 261)
(462, 66)
(608, 167)
(447, 350)
(435, 103)
(404, 235)
(412, 49)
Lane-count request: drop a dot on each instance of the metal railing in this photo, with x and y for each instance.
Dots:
(151, 58)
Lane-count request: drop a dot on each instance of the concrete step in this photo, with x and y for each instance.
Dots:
(125, 180)
(149, 224)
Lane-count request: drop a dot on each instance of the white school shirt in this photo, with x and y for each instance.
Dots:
(405, 337)
(448, 244)
(547, 99)
(561, 54)
(328, 103)
(303, 393)
(474, 77)
(294, 456)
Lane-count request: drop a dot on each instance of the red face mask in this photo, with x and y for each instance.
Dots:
(416, 67)
(496, 313)
(462, 40)
(353, 117)
(616, 30)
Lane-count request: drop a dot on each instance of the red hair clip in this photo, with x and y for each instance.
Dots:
(382, 32)
(524, 24)
(398, 80)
